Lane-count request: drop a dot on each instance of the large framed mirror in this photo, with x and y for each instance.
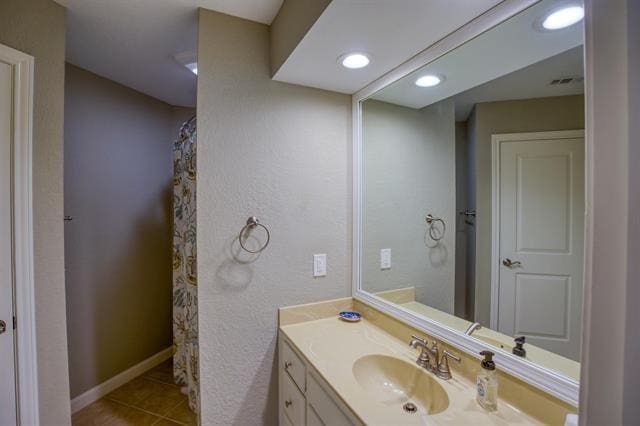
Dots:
(469, 182)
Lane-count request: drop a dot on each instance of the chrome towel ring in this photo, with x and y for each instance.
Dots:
(431, 221)
(253, 223)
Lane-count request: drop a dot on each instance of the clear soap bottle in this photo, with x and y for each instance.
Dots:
(487, 383)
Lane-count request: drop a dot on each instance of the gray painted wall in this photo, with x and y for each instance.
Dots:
(631, 412)
(118, 183)
(408, 171)
(530, 115)
(610, 395)
(37, 27)
(280, 152)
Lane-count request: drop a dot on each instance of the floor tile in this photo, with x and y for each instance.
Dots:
(159, 398)
(183, 414)
(166, 422)
(161, 373)
(133, 392)
(110, 413)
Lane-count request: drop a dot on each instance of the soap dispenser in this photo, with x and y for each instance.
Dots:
(518, 349)
(487, 383)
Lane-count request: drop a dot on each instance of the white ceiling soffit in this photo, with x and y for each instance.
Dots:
(134, 42)
(512, 45)
(390, 31)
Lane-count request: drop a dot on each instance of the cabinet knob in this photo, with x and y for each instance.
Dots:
(287, 364)
(288, 403)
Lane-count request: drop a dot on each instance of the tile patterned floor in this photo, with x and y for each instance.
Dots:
(151, 399)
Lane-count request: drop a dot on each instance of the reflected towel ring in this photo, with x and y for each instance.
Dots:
(252, 223)
(431, 220)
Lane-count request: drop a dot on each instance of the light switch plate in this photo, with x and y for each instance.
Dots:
(385, 258)
(319, 265)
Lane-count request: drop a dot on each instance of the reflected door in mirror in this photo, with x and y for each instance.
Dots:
(540, 235)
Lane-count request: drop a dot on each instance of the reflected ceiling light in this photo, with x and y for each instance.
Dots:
(562, 18)
(193, 67)
(429, 80)
(188, 60)
(354, 60)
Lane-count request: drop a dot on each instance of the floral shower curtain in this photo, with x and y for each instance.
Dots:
(185, 297)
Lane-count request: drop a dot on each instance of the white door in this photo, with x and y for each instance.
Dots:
(539, 180)
(8, 410)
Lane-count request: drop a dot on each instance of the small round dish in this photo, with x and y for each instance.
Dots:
(350, 316)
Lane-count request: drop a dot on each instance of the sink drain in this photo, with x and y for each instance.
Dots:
(410, 407)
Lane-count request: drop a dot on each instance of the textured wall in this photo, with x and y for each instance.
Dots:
(118, 183)
(37, 27)
(280, 152)
(408, 171)
(530, 115)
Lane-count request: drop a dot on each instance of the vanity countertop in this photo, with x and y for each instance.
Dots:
(332, 346)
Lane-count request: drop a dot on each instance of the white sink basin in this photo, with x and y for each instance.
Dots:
(393, 381)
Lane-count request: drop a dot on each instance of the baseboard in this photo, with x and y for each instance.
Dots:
(94, 394)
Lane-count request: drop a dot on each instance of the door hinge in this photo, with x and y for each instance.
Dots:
(15, 322)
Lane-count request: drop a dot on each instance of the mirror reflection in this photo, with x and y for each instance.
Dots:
(473, 189)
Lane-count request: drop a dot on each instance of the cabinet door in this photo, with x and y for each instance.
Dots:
(284, 420)
(312, 417)
(323, 408)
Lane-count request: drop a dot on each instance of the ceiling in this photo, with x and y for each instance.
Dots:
(510, 46)
(134, 42)
(390, 31)
(530, 82)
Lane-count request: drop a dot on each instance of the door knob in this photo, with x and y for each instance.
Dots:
(511, 263)
(3, 326)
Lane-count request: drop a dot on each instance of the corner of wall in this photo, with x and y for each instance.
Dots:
(294, 19)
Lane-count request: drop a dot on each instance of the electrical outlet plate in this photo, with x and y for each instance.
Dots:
(319, 265)
(385, 258)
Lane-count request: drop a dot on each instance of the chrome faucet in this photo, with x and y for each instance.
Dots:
(430, 358)
(423, 358)
(473, 327)
(434, 357)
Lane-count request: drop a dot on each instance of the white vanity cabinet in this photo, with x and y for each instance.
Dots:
(304, 397)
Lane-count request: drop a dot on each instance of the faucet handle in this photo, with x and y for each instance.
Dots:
(451, 355)
(420, 339)
(443, 371)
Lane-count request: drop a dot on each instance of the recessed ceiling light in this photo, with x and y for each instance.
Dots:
(429, 80)
(354, 60)
(562, 18)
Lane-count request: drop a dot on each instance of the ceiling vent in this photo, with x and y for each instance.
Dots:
(561, 81)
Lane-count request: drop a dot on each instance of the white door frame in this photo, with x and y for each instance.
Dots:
(496, 141)
(22, 227)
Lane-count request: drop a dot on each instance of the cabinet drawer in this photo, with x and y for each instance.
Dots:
(292, 401)
(294, 366)
(323, 406)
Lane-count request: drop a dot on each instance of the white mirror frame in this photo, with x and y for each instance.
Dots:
(545, 379)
